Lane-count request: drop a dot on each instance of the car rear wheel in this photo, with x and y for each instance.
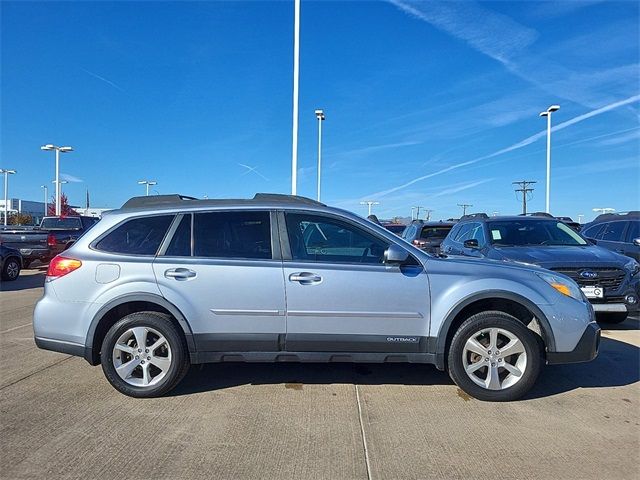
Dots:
(144, 355)
(494, 357)
(615, 317)
(11, 269)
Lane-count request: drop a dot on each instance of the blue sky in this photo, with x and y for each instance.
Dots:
(427, 103)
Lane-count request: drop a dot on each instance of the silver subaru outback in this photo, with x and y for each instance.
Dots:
(170, 281)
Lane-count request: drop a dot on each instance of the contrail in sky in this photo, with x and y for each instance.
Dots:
(515, 146)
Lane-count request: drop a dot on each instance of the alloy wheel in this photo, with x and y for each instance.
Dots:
(141, 356)
(494, 358)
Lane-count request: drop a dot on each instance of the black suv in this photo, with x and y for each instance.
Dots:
(617, 232)
(609, 280)
(427, 236)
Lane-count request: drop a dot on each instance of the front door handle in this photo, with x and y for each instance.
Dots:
(305, 278)
(179, 273)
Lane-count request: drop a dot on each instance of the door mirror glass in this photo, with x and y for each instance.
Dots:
(395, 255)
(471, 243)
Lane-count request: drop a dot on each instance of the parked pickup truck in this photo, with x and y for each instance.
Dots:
(43, 242)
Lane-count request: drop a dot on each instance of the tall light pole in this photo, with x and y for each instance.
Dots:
(6, 172)
(320, 117)
(62, 182)
(296, 76)
(369, 203)
(57, 150)
(46, 199)
(148, 183)
(417, 209)
(549, 111)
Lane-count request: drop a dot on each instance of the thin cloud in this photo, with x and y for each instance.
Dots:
(376, 148)
(449, 191)
(620, 139)
(523, 143)
(70, 178)
(251, 169)
(491, 33)
(105, 80)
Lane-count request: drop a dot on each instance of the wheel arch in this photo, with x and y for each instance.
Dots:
(117, 308)
(508, 302)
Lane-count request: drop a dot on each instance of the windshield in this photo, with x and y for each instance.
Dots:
(532, 232)
(61, 223)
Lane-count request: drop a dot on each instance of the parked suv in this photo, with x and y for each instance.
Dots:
(610, 281)
(427, 235)
(168, 281)
(617, 232)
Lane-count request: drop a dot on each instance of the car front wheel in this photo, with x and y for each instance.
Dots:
(494, 357)
(144, 355)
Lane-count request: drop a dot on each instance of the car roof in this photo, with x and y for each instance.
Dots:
(173, 202)
(439, 223)
(507, 218)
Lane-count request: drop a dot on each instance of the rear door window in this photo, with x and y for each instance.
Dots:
(138, 236)
(613, 232)
(180, 245)
(592, 232)
(242, 235)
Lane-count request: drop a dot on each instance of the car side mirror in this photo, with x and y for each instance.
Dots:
(395, 255)
(636, 242)
(471, 243)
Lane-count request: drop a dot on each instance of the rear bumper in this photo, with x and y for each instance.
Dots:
(30, 254)
(585, 351)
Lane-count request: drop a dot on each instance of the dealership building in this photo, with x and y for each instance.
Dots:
(37, 210)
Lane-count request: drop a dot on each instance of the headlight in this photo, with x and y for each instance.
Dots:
(632, 266)
(564, 286)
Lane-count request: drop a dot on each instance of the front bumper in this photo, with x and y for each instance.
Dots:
(585, 351)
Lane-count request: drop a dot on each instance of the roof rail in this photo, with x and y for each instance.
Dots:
(176, 200)
(618, 215)
(474, 215)
(537, 214)
(281, 197)
(155, 200)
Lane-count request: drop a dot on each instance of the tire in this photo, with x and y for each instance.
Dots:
(166, 365)
(526, 359)
(11, 269)
(614, 317)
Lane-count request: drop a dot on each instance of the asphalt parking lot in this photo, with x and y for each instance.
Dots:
(59, 418)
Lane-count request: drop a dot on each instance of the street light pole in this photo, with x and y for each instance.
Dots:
(296, 75)
(547, 113)
(320, 117)
(369, 203)
(46, 199)
(148, 183)
(6, 172)
(57, 181)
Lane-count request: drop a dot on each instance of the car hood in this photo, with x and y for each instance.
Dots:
(558, 256)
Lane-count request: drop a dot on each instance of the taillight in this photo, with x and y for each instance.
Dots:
(419, 243)
(51, 240)
(60, 266)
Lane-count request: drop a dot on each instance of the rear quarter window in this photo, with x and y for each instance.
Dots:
(138, 236)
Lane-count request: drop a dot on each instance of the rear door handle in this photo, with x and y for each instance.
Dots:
(305, 278)
(179, 273)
